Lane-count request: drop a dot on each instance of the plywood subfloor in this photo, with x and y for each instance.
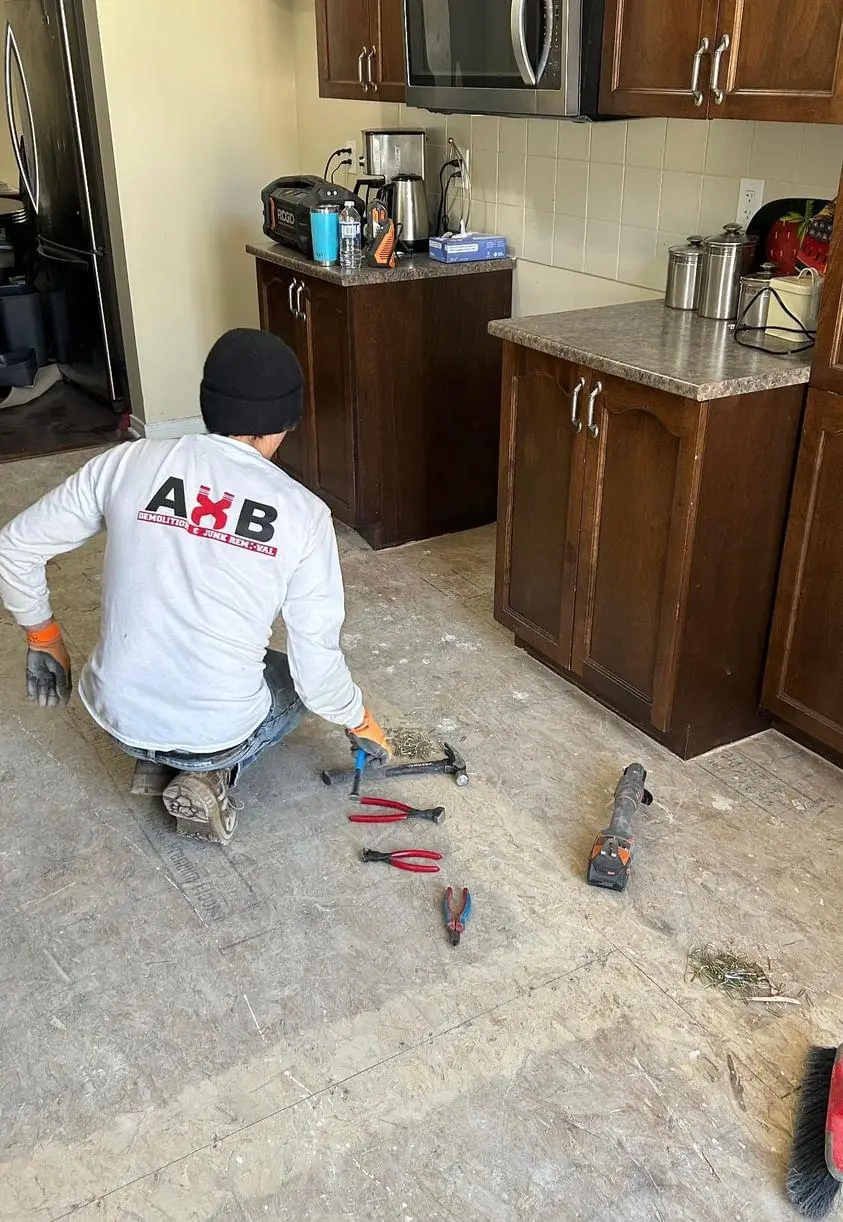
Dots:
(278, 1031)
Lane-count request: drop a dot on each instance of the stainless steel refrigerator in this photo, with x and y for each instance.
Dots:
(50, 112)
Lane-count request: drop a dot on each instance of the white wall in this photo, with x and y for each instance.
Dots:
(201, 106)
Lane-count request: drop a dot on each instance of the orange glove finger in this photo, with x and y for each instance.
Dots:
(369, 737)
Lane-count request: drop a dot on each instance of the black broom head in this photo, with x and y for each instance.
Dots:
(810, 1186)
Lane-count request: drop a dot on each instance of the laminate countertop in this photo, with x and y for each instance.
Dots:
(671, 350)
(410, 267)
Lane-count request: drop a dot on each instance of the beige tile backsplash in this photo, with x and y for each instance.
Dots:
(609, 199)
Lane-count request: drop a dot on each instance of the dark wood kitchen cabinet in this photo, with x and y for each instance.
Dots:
(653, 54)
(400, 429)
(618, 559)
(732, 59)
(804, 680)
(803, 685)
(360, 49)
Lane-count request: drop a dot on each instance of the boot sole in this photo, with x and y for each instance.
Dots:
(194, 818)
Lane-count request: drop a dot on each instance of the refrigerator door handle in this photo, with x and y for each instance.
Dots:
(33, 191)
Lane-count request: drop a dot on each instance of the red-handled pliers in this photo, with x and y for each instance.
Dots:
(400, 810)
(402, 859)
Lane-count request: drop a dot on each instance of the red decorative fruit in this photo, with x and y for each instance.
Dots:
(785, 238)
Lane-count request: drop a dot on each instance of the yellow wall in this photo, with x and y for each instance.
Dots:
(202, 113)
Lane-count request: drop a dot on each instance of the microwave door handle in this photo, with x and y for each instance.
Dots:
(517, 14)
(12, 49)
(549, 8)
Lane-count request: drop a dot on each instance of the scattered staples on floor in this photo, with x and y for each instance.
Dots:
(736, 974)
(409, 742)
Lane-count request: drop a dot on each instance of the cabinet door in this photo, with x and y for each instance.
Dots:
(388, 43)
(330, 396)
(276, 300)
(783, 61)
(656, 57)
(804, 679)
(641, 490)
(343, 37)
(827, 365)
(540, 497)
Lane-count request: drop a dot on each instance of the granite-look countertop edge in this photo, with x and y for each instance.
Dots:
(645, 343)
(412, 267)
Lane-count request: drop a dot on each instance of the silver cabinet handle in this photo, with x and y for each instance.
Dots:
(719, 51)
(290, 290)
(360, 59)
(32, 188)
(695, 72)
(370, 55)
(592, 401)
(300, 313)
(518, 37)
(575, 405)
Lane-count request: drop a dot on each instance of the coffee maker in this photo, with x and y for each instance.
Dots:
(394, 164)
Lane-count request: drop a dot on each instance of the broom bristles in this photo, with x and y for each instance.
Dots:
(810, 1187)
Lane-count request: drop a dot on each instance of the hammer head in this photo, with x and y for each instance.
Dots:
(455, 764)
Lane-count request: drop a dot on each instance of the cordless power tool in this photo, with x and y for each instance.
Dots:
(611, 857)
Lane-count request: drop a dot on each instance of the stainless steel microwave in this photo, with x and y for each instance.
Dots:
(504, 57)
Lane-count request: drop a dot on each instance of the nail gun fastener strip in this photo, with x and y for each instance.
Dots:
(402, 859)
(394, 812)
(456, 918)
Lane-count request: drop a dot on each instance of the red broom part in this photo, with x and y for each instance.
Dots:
(834, 1120)
(811, 1186)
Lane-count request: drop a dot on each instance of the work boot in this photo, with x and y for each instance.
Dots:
(201, 805)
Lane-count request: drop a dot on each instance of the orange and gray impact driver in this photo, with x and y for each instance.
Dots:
(611, 857)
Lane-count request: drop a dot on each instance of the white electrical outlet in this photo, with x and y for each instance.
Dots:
(351, 144)
(750, 198)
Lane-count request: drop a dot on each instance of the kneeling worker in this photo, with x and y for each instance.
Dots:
(208, 542)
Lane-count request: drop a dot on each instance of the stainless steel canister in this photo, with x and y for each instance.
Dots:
(754, 303)
(726, 257)
(683, 274)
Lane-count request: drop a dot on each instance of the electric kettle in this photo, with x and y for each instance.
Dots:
(409, 211)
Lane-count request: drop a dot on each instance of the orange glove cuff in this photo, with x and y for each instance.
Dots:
(43, 638)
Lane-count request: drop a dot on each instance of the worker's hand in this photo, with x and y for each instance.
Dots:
(369, 737)
(48, 679)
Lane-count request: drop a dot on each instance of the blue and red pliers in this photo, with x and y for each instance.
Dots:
(402, 859)
(456, 919)
(400, 810)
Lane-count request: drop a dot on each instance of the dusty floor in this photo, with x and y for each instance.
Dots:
(280, 1032)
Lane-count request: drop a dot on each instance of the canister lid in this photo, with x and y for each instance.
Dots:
(732, 235)
(691, 252)
(760, 278)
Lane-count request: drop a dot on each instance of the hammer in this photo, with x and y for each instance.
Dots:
(452, 765)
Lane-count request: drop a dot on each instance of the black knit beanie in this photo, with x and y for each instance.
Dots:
(252, 385)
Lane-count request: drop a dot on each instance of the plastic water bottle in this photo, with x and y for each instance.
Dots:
(351, 244)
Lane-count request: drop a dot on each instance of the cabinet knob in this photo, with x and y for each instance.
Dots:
(575, 405)
(593, 429)
(695, 71)
(719, 51)
(363, 85)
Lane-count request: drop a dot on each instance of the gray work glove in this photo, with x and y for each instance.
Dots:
(48, 678)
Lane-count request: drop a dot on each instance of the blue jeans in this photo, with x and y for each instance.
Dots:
(285, 713)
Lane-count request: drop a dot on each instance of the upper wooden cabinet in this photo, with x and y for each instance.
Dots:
(827, 365)
(727, 59)
(360, 49)
(655, 57)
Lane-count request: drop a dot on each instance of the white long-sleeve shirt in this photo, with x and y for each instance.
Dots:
(208, 543)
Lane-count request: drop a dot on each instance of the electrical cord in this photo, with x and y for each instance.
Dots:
(441, 216)
(336, 153)
(339, 166)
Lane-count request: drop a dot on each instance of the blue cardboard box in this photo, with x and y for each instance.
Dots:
(467, 247)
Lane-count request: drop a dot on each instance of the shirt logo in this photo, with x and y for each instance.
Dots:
(255, 523)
